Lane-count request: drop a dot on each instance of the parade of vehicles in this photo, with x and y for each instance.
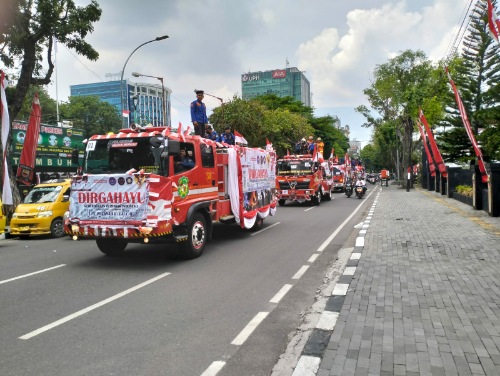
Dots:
(130, 191)
(338, 178)
(42, 210)
(300, 178)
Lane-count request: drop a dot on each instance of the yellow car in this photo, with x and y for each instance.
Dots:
(42, 210)
(3, 219)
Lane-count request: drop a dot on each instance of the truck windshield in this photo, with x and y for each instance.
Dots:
(119, 156)
(294, 167)
(42, 194)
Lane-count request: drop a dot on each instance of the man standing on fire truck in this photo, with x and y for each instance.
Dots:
(199, 114)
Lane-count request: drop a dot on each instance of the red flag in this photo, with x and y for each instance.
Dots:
(179, 132)
(468, 129)
(4, 112)
(26, 168)
(432, 167)
(493, 22)
(126, 113)
(287, 152)
(165, 132)
(239, 138)
(315, 153)
(269, 145)
(435, 150)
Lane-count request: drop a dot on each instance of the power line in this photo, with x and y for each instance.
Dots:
(452, 47)
(90, 70)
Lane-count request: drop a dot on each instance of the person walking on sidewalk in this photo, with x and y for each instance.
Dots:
(199, 114)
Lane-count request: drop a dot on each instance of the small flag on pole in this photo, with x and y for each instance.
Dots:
(125, 113)
(239, 138)
(493, 22)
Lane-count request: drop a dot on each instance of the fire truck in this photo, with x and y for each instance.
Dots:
(300, 178)
(338, 177)
(134, 187)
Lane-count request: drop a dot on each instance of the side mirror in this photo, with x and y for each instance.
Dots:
(65, 198)
(174, 147)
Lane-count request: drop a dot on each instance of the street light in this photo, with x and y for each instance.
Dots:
(126, 61)
(164, 108)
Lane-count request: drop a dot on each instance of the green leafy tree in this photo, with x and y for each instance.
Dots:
(48, 105)
(400, 87)
(475, 73)
(91, 114)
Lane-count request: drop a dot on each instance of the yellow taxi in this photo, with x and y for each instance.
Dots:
(43, 210)
(3, 219)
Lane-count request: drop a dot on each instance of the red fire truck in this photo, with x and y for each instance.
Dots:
(300, 178)
(134, 187)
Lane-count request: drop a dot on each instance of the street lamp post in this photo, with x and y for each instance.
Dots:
(164, 107)
(126, 61)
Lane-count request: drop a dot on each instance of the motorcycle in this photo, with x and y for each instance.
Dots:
(360, 188)
(348, 189)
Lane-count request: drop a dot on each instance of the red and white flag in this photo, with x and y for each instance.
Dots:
(239, 138)
(4, 111)
(332, 155)
(125, 113)
(179, 132)
(269, 145)
(430, 160)
(493, 22)
(165, 132)
(468, 129)
(438, 159)
(26, 168)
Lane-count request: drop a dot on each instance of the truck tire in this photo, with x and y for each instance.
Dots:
(316, 200)
(197, 238)
(111, 247)
(57, 228)
(327, 196)
(281, 202)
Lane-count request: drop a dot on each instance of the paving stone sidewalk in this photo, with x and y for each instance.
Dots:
(425, 295)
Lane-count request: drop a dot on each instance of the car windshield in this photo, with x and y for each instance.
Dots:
(119, 156)
(42, 194)
(294, 167)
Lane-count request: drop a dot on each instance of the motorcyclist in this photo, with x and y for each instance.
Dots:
(360, 181)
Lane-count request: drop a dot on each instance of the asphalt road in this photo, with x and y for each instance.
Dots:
(229, 312)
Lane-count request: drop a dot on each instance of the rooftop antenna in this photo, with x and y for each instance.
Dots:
(287, 63)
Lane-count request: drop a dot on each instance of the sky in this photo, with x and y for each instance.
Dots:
(336, 43)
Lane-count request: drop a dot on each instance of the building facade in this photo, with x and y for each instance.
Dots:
(144, 101)
(289, 82)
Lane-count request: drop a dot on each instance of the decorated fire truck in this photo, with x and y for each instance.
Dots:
(152, 186)
(302, 178)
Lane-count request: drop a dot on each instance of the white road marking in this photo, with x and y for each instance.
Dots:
(313, 258)
(252, 325)
(311, 208)
(91, 308)
(214, 368)
(340, 289)
(276, 298)
(327, 320)
(334, 234)
(360, 241)
(265, 229)
(301, 271)
(355, 256)
(349, 270)
(30, 274)
(307, 366)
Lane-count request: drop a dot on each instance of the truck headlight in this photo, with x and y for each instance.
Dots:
(42, 214)
(15, 215)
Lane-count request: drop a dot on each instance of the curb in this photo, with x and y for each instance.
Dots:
(312, 354)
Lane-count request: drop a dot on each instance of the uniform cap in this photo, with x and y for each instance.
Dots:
(319, 139)
(310, 137)
(303, 139)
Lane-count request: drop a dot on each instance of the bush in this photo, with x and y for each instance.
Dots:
(464, 190)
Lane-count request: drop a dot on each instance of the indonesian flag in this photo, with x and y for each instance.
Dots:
(186, 132)
(438, 160)
(315, 153)
(4, 111)
(430, 160)
(239, 138)
(269, 145)
(493, 22)
(332, 154)
(125, 113)
(179, 132)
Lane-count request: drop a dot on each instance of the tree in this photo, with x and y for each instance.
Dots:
(476, 73)
(92, 115)
(48, 105)
(30, 32)
(400, 87)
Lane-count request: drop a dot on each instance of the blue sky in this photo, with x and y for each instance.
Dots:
(211, 43)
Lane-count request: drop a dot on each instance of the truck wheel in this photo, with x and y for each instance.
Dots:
(281, 202)
(327, 196)
(197, 237)
(317, 198)
(111, 247)
(258, 224)
(57, 228)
